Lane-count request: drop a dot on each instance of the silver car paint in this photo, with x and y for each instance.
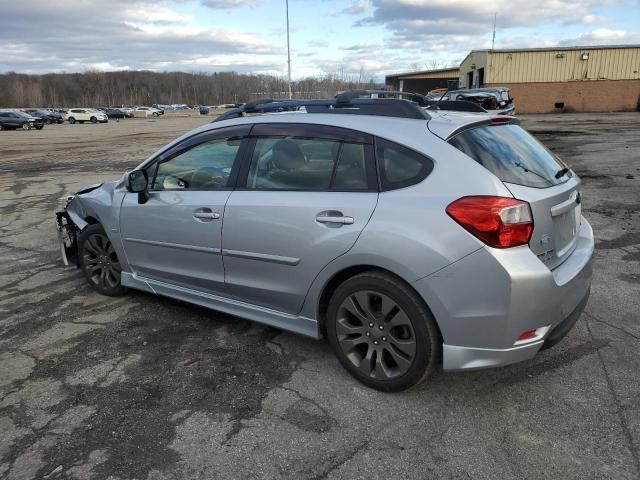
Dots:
(171, 239)
(477, 294)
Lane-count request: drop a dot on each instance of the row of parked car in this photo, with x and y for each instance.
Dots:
(37, 118)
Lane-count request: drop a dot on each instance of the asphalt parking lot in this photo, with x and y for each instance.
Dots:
(143, 387)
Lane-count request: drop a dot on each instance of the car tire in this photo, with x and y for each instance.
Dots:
(99, 262)
(93, 120)
(1, 128)
(48, 121)
(26, 126)
(72, 120)
(403, 346)
(155, 114)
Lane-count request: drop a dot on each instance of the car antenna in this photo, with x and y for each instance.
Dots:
(449, 84)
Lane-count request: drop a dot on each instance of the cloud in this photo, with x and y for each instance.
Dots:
(318, 44)
(362, 47)
(358, 8)
(67, 35)
(229, 4)
(418, 24)
(593, 19)
(603, 36)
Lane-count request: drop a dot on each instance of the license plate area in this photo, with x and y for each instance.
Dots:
(565, 227)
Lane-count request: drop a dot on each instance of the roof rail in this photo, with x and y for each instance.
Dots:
(345, 103)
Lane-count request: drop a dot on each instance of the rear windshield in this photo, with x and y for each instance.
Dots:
(511, 154)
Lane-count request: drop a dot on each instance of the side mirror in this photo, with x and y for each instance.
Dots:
(138, 181)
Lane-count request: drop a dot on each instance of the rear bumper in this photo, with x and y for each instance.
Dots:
(457, 358)
(484, 301)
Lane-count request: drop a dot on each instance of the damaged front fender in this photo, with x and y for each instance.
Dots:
(90, 203)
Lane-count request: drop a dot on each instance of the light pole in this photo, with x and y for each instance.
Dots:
(288, 51)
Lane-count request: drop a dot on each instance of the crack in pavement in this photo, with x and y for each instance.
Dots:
(623, 421)
(615, 327)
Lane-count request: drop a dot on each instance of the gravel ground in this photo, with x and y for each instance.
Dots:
(142, 387)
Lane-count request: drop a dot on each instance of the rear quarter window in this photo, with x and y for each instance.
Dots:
(511, 154)
(400, 166)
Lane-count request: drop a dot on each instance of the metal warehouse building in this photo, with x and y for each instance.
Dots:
(422, 82)
(579, 79)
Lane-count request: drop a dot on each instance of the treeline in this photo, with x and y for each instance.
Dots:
(93, 89)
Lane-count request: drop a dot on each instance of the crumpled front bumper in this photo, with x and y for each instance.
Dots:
(67, 237)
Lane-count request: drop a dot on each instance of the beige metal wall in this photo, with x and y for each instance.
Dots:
(478, 60)
(562, 65)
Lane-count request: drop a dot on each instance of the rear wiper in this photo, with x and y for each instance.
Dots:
(562, 172)
(537, 174)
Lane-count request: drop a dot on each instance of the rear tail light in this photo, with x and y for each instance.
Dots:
(499, 222)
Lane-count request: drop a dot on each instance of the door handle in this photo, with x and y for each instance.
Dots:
(334, 217)
(205, 214)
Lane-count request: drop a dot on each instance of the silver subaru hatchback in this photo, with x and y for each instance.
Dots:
(409, 238)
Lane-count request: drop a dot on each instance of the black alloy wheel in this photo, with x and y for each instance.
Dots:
(382, 332)
(99, 261)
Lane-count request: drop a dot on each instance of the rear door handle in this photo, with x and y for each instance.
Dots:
(205, 214)
(334, 217)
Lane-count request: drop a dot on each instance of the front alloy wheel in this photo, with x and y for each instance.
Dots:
(99, 261)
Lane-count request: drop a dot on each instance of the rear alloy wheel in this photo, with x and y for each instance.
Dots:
(26, 126)
(93, 120)
(382, 332)
(99, 261)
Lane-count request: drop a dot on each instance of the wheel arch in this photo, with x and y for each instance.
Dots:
(344, 274)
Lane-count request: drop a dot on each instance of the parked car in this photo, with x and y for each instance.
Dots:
(127, 110)
(113, 112)
(405, 237)
(150, 111)
(495, 100)
(47, 116)
(12, 120)
(82, 115)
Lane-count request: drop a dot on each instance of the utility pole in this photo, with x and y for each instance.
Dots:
(493, 43)
(288, 51)
(493, 40)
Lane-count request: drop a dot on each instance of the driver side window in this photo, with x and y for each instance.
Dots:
(206, 166)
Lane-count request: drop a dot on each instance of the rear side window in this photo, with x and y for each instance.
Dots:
(400, 166)
(511, 154)
(286, 163)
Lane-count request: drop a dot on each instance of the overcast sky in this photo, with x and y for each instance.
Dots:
(375, 36)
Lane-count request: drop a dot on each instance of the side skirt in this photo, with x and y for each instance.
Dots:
(293, 323)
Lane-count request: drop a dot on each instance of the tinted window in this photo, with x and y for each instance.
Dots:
(206, 166)
(284, 163)
(511, 154)
(400, 166)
